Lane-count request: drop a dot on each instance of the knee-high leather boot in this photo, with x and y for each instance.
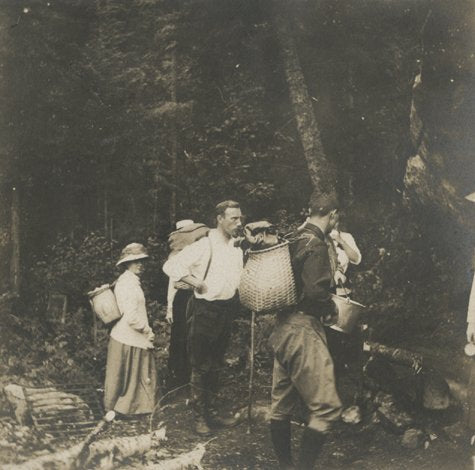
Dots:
(215, 418)
(280, 437)
(311, 446)
(199, 393)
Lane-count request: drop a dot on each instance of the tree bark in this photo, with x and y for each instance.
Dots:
(174, 151)
(321, 171)
(15, 240)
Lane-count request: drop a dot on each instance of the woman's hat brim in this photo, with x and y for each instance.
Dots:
(131, 258)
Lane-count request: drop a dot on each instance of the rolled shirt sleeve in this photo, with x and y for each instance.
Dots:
(187, 260)
(171, 293)
(348, 238)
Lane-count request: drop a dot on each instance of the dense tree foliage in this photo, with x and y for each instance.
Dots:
(120, 117)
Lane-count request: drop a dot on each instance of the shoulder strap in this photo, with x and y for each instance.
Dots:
(210, 257)
(292, 238)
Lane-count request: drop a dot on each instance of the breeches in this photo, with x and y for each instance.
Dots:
(303, 371)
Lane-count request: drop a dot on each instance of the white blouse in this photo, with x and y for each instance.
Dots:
(343, 260)
(133, 328)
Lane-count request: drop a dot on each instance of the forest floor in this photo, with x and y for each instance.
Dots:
(367, 445)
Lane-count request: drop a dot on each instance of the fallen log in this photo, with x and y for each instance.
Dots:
(112, 451)
(420, 388)
(53, 401)
(60, 408)
(16, 398)
(103, 454)
(79, 461)
(41, 391)
(397, 355)
(184, 461)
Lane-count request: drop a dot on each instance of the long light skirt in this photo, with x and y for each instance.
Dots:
(131, 379)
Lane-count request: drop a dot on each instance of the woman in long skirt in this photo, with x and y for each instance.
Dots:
(131, 376)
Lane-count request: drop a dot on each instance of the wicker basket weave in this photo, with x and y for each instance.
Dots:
(267, 282)
(104, 304)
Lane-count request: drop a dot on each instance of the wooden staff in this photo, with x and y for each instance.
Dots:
(251, 372)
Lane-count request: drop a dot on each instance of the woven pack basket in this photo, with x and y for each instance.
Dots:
(267, 282)
(104, 304)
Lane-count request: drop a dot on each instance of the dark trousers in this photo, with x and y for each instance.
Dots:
(209, 332)
(178, 362)
(340, 350)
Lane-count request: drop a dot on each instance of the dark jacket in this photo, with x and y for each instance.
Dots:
(313, 271)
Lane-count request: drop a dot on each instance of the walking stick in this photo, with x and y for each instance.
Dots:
(251, 372)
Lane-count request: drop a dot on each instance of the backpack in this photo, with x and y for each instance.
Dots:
(104, 304)
(185, 236)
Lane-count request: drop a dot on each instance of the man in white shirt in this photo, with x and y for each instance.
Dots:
(212, 266)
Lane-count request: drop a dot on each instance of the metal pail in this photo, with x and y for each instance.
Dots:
(349, 313)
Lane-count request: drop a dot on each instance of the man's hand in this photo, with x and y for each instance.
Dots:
(335, 234)
(169, 316)
(201, 287)
(150, 336)
(340, 278)
(471, 332)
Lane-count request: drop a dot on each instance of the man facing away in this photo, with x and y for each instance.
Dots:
(212, 266)
(303, 368)
(177, 300)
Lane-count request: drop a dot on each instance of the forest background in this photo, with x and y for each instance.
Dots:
(120, 117)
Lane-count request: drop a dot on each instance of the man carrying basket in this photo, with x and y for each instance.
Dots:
(303, 367)
(212, 266)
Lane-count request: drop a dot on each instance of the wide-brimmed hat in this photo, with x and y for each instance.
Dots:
(470, 197)
(132, 252)
(183, 223)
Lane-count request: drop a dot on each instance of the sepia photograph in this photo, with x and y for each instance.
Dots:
(237, 234)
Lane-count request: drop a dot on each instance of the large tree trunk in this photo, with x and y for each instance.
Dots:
(440, 171)
(174, 151)
(15, 241)
(322, 172)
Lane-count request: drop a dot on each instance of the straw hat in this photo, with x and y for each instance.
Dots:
(183, 223)
(132, 252)
(470, 197)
